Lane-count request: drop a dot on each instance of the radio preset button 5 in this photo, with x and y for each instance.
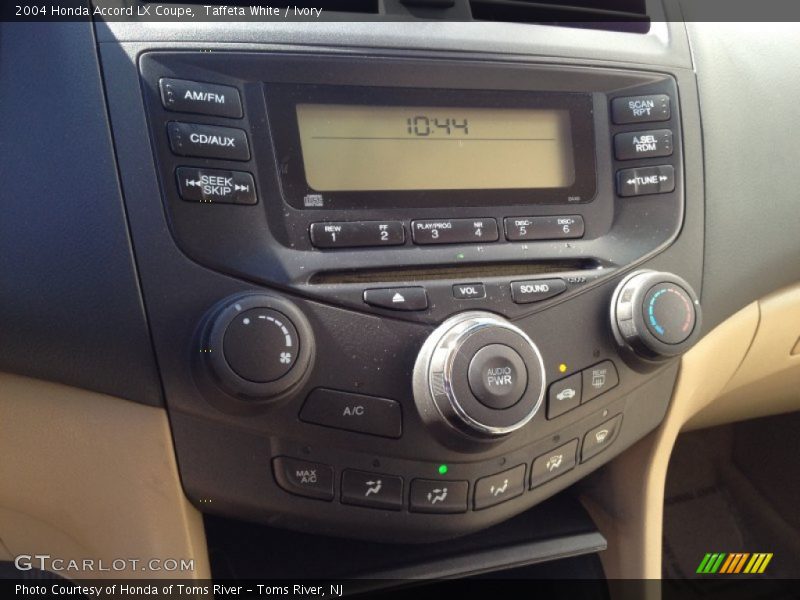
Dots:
(454, 231)
(640, 109)
(645, 180)
(643, 144)
(354, 234)
(400, 298)
(215, 185)
(208, 141)
(202, 98)
(536, 290)
(544, 228)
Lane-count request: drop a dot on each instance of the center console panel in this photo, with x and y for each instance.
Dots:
(406, 365)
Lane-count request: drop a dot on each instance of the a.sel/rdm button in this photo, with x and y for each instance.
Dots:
(216, 186)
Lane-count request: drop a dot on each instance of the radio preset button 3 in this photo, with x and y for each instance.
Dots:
(201, 98)
(640, 109)
(536, 290)
(354, 234)
(645, 180)
(208, 141)
(454, 231)
(216, 186)
(544, 228)
(643, 144)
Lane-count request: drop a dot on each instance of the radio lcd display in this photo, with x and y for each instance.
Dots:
(369, 148)
(345, 147)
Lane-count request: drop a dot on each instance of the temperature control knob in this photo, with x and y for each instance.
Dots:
(258, 346)
(480, 375)
(655, 315)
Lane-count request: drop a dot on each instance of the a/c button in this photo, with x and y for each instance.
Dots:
(353, 412)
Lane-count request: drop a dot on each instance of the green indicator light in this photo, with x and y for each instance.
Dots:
(442, 469)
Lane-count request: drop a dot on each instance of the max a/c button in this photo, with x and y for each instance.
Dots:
(303, 477)
(353, 412)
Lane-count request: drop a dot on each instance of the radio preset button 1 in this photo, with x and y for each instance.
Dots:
(643, 144)
(645, 180)
(554, 463)
(544, 228)
(469, 291)
(353, 412)
(536, 290)
(208, 141)
(454, 231)
(400, 298)
(216, 186)
(202, 98)
(498, 488)
(354, 234)
(640, 109)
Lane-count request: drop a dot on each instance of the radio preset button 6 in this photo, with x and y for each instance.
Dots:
(645, 180)
(216, 186)
(202, 98)
(401, 298)
(544, 228)
(354, 234)
(454, 231)
(643, 144)
(208, 141)
(536, 290)
(640, 109)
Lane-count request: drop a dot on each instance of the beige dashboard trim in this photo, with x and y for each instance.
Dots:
(88, 476)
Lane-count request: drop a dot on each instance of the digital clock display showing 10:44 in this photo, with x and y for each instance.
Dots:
(348, 147)
(423, 126)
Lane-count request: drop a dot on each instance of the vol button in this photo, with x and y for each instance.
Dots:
(497, 376)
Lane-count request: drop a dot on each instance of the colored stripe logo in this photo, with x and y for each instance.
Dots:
(734, 563)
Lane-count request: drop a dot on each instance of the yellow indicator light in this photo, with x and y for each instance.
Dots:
(562, 368)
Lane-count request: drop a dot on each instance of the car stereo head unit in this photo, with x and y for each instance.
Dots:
(344, 147)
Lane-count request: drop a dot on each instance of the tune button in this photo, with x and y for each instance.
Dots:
(497, 376)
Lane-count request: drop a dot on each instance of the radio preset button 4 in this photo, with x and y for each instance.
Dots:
(544, 228)
(643, 144)
(354, 234)
(208, 141)
(216, 186)
(454, 231)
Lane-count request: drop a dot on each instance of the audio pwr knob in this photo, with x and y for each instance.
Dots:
(479, 375)
(655, 315)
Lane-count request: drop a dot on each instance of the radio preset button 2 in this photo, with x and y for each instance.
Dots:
(208, 141)
(544, 228)
(216, 186)
(354, 234)
(645, 180)
(201, 98)
(400, 298)
(454, 231)
(640, 109)
(643, 144)
(536, 290)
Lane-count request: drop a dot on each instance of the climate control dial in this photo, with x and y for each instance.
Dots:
(480, 375)
(655, 315)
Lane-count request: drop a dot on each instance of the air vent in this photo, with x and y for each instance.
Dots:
(327, 6)
(628, 16)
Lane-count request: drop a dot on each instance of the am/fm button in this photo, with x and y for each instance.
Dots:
(536, 290)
